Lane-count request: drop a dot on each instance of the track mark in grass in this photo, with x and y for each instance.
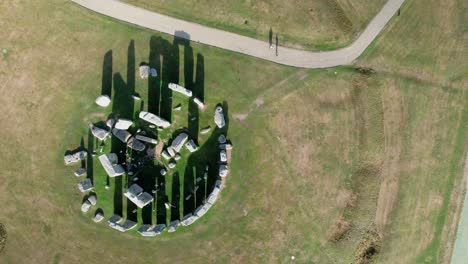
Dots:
(3, 237)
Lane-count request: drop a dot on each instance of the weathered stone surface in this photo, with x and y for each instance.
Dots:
(80, 172)
(180, 89)
(199, 103)
(144, 71)
(223, 156)
(135, 144)
(85, 206)
(191, 146)
(219, 117)
(223, 170)
(222, 139)
(188, 220)
(103, 100)
(179, 142)
(98, 217)
(159, 228)
(146, 231)
(165, 155)
(171, 151)
(146, 139)
(92, 199)
(110, 122)
(85, 185)
(154, 72)
(75, 157)
(173, 226)
(154, 119)
(225, 146)
(201, 210)
(109, 163)
(137, 196)
(99, 133)
(114, 219)
(123, 124)
(122, 135)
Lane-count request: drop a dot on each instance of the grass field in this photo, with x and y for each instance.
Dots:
(317, 25)
(322, 159)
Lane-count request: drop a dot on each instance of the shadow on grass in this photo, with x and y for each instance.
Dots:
(106, 88)
(89, 158)
(202, 167)
(122, 107)
(175, 201)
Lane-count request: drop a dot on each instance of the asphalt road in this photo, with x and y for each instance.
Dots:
(238, 43)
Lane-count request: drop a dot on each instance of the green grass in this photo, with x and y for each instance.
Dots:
(317, 25)
(302, 138)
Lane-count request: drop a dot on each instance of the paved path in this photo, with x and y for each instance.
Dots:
(460, 250)
(242, 44)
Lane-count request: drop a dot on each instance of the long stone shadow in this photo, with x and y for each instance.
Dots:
(89, 158)
(147, 180)
(122, 107)
(202, 167)
(175, 201)
(106, 88)
(194, 180)
(164, 57)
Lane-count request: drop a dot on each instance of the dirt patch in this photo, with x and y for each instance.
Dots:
(240, 117)
(346, 199)
(92, 116)
(339, 230)
(368, 248)
(159, 148)
(393, 121)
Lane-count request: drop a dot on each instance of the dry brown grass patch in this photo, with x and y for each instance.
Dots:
(368, 248)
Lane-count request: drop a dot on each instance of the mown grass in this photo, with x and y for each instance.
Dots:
(317, 25)
(301, 144)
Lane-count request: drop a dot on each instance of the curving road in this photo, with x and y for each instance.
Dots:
(249, 46)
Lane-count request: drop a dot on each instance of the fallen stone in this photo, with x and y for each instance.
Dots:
(99, 133)
(122, 135)
(123, 124)
(80, 172)
(135, 144)
(103, 100)
(205, 130)
(75, 157)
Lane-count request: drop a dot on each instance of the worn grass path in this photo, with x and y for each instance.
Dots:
(242, 44)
